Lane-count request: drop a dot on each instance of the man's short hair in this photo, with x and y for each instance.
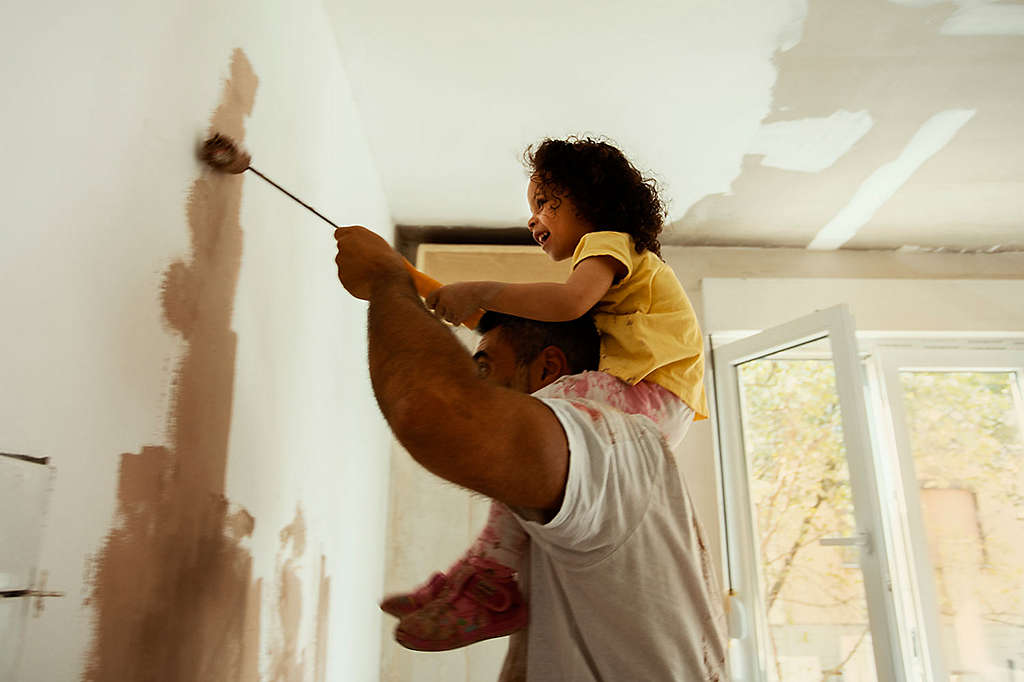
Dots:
(578, 338)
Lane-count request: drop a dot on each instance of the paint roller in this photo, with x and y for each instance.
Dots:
(222, 154)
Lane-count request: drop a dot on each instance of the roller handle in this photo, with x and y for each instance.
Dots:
(426, 285)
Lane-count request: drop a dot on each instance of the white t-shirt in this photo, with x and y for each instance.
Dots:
(620, 583)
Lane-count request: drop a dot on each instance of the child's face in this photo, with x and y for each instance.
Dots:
(554, 222)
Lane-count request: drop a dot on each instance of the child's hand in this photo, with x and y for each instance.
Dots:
(455, 303)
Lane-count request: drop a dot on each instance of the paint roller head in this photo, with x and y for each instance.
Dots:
(221, 153)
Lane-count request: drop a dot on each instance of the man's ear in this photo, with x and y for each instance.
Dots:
(549, 366)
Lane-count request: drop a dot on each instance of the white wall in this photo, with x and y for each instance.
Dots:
(102, 106)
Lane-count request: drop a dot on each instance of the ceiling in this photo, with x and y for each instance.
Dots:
(864, 124)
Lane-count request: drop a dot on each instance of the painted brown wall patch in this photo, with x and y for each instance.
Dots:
(172, 586)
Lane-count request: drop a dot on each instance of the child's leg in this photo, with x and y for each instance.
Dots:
(481, 599)
(502, 541)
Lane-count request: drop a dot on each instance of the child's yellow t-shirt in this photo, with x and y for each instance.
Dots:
(648, 328)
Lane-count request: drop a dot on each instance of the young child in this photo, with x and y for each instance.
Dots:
(590, 204)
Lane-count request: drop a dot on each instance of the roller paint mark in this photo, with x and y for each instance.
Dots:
(172, 586)
(289, 660)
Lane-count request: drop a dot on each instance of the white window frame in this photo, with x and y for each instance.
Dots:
(888, 358)
(835, 323)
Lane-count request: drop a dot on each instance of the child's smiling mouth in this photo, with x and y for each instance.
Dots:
(541, 237)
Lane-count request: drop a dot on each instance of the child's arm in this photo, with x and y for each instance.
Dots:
(544, 301)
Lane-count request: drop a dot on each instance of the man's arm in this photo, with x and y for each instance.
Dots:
(506, 445)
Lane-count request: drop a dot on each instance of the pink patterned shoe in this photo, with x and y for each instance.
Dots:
(401, 605)
(481, 601)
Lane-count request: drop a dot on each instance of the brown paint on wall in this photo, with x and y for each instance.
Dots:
(289, 660)
(286, 660)
(39, 604)
(172, 586)
(250, 664)
(322, 614)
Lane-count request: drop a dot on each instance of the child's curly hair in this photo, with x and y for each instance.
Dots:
(609, 192)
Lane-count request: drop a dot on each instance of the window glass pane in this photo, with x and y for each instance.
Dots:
(800, 493)
(965, 435)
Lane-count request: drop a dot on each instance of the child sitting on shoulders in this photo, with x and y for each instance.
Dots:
(590, 204)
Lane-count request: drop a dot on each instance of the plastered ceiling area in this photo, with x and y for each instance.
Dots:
(892, 126)
(859, 124)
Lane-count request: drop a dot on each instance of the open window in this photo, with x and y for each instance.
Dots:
(874, 501)
(806, 543)
(953, 418)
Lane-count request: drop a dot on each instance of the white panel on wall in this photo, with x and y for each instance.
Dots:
(13, 615)
(24, 487)
(24, 490)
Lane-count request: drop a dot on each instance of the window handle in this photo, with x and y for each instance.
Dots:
(858, 540)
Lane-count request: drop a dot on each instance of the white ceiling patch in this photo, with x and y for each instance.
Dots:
(810, 145)
(935, 134)
(985, 20)
(977, 17)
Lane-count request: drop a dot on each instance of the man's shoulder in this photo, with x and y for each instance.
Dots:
(616, 462)
(592, 423)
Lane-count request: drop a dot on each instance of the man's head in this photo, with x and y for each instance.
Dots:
(527, 355)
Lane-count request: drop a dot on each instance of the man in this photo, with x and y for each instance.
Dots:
(619, 580)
